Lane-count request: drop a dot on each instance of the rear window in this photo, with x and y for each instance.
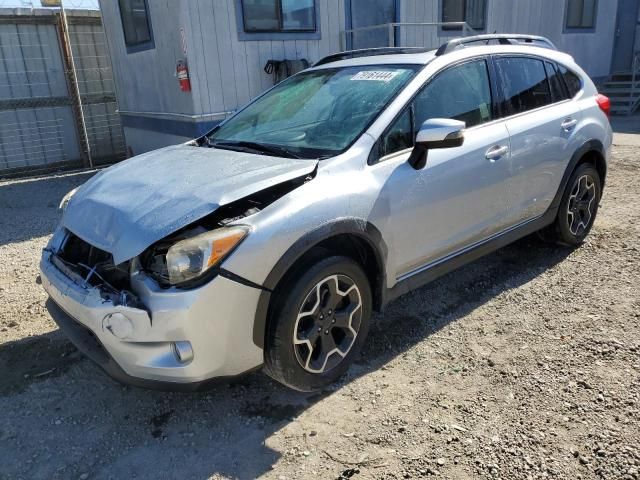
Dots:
(524, 84)
(571, 80)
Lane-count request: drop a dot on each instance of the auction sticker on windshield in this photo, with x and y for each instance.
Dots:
(375, 75)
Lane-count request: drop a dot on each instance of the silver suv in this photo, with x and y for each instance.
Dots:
(269, 241)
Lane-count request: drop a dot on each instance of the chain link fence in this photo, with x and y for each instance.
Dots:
(57, 96)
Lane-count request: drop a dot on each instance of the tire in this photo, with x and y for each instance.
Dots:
(304, 328)
(578, 207)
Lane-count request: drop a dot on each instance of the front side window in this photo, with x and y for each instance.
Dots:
(581, 14)
(524, 83)
(461, 93)
(279, 15)
(473, 12)
(317, 113)
(135, 22)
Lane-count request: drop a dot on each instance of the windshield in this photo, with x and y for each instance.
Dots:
(314, 114)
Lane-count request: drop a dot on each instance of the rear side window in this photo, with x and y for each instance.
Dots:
(571, 80)
(555, 82)
(524, 84)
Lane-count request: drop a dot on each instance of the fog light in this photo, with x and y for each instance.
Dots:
(183, 351)
(119, 325)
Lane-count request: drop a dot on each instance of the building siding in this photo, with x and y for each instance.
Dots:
(227, 72)
(592, 50)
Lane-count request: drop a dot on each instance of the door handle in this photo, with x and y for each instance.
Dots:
(568, 124)
(497, 152)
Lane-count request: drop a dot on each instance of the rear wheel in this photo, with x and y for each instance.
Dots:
(319, 323)
(578, 208)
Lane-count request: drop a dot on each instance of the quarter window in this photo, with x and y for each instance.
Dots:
(135, 22)
(581, 14)
(473, 12)
(524, 83)
(555, 81)
(571, 80)
(279, 15)
(399, 136)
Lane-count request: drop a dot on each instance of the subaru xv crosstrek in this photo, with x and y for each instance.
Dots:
(269, 241)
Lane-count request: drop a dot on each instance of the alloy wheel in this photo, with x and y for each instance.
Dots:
(581, 205)
(328, 323)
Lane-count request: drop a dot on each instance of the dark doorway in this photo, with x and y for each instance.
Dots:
(625, 35)
(365, 13)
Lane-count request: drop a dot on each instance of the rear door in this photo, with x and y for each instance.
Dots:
(541, 121)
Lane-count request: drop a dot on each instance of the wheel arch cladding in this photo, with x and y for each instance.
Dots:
(592, 151)
(351, 237)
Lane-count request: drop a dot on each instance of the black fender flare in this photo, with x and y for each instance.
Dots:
(589, 146)
(362, 229)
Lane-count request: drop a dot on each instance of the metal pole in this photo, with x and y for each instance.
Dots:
(74, 89)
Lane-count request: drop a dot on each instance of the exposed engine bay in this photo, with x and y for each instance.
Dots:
(89, 266)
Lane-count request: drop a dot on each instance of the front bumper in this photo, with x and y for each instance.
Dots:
(217, 319)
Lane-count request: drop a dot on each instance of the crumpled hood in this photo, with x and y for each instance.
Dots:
(128, 207)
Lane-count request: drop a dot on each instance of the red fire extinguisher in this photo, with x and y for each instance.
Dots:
(183, 76)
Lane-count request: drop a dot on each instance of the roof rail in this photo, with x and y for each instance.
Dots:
(367, 52)
(501, 38)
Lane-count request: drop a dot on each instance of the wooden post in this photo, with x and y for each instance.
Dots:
(74, 89)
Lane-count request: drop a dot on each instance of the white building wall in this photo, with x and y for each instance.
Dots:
(592, 50)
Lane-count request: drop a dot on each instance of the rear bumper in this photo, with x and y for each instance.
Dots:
(216, 319)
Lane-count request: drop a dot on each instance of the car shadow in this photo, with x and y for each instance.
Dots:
(28, 208)
(225, 431)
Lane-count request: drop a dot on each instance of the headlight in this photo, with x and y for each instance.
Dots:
(191, 258)
(65, 200)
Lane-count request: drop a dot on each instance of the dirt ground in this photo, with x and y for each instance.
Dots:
(523, 365)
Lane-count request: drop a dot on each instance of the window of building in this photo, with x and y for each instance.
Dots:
(279, 15)
(135, 24)
(461, 93)
(581, 14)
(524, 84)
(473, 12)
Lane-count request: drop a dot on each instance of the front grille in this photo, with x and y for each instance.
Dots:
(94, 265)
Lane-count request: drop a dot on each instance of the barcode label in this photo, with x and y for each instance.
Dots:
(375, 76)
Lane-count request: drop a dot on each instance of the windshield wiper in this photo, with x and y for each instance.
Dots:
(254, 147)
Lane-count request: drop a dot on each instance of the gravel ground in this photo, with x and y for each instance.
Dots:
(525, 364)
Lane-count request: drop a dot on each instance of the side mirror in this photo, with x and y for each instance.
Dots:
(436, 133)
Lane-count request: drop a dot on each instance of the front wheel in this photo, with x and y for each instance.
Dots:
(578, 208)
(319, 323)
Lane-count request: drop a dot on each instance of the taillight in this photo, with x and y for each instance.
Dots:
(604, 103)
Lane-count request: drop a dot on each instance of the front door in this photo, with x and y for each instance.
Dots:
(365, 13)
(457, 200)
(627, 24)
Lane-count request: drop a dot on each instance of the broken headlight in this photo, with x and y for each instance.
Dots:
(189, 259)
(65, 200)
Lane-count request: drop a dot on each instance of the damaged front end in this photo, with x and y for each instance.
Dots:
(191, 256)
(92, 268)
